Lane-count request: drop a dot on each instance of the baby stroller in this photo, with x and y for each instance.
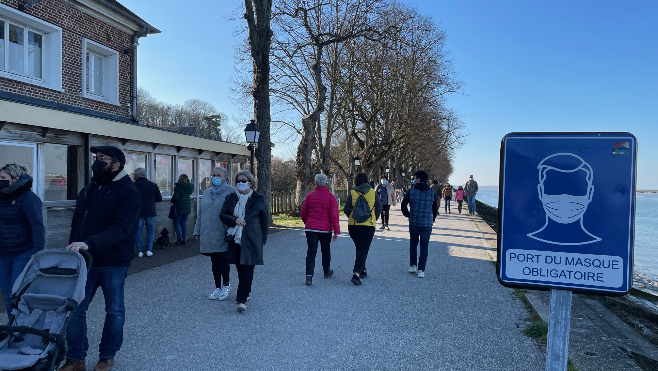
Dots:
(48, 290)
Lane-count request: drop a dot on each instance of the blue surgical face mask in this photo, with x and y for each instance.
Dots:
(383, 181)
(216, 182)
(414, 181)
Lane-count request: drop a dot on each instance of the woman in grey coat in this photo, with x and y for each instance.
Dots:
(210, 231)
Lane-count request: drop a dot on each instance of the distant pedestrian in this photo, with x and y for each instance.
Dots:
(372, 184)
(105, 223)
(386, 195)
(181, 199)
(246, 214)
(459, 197)
(471, 189)
(361, 231)
(438, 190)
(424, 208)
(211, 232)
(320, 216)
(447, 196)
(21, 226)
(150, 194)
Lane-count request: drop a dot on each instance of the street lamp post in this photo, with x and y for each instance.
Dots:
(252, 133)
(404, 181)
(357, 161)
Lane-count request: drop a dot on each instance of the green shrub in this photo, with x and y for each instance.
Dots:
(536, 330)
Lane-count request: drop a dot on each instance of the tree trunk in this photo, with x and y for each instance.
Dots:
(258, 14)
(304, 169)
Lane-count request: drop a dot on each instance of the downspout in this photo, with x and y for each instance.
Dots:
(133, 48)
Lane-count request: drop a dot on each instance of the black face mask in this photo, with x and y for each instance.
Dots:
(4, 184)
(101, 170)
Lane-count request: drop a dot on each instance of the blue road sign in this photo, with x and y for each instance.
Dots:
(567, 211)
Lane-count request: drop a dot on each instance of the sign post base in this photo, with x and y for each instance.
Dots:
(559, 323)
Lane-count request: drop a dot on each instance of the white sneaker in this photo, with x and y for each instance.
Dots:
(140, 255)
(413, 269)
(421, 274)
(242, 307)
(149, 253)
(216, 294)
(224, 292)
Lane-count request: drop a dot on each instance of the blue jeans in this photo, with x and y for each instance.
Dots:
(150, 232)
(416, 232)
(447, 200)
(180, 226)
(471, 205)
(10, 267)
(112, 280)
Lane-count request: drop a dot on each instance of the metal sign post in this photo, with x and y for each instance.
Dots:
(566, 215)
(559, 323)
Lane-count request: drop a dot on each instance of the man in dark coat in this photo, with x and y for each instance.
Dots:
(424, 206)
(105, 224)
(150, 194)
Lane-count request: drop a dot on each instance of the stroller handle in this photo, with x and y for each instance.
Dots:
(87, 257)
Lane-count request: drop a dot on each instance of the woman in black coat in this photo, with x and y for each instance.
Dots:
(246, 215)
(22, 232)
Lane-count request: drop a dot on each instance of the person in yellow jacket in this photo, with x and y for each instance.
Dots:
(362, 233)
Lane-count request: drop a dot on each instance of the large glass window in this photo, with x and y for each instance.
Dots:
(18, 153)
(16, 49)
(100, 67)
(236, 168)
(186, 166)
(163, 174)
(133, 161)
(95, 74)
(30, 49)
(56, 167)
(19, 59)
(205, 170)
(34, 55)
(2, 44)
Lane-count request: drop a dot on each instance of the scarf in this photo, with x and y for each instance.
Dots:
(239, 211)
(214, 191)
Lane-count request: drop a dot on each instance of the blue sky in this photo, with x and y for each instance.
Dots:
(526, 66)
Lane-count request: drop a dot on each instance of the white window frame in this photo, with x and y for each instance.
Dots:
(110, 72)
(51, 62)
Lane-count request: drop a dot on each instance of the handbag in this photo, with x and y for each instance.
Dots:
(172, 211)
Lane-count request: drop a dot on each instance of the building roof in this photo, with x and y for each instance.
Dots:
(116, 6)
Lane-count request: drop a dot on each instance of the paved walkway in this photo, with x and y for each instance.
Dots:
(457, 318)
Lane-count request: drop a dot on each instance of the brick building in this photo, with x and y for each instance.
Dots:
(68, 82)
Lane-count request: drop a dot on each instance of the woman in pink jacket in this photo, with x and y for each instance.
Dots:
(459, 197)
(320, 216)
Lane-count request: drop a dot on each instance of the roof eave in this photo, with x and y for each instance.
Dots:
(117, 7)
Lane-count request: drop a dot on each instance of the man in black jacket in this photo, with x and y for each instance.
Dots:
(105, 223)
(150, 194)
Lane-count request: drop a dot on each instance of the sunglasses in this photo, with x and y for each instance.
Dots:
(242, 181)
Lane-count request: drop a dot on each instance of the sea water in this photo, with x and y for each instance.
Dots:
(646, 230)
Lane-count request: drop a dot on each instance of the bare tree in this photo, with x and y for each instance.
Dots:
(308, 27)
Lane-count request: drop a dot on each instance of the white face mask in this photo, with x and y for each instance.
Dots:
(565, 209)
(242, 186)
(470, 178)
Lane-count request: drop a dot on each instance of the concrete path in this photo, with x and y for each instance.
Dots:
(456, 318)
